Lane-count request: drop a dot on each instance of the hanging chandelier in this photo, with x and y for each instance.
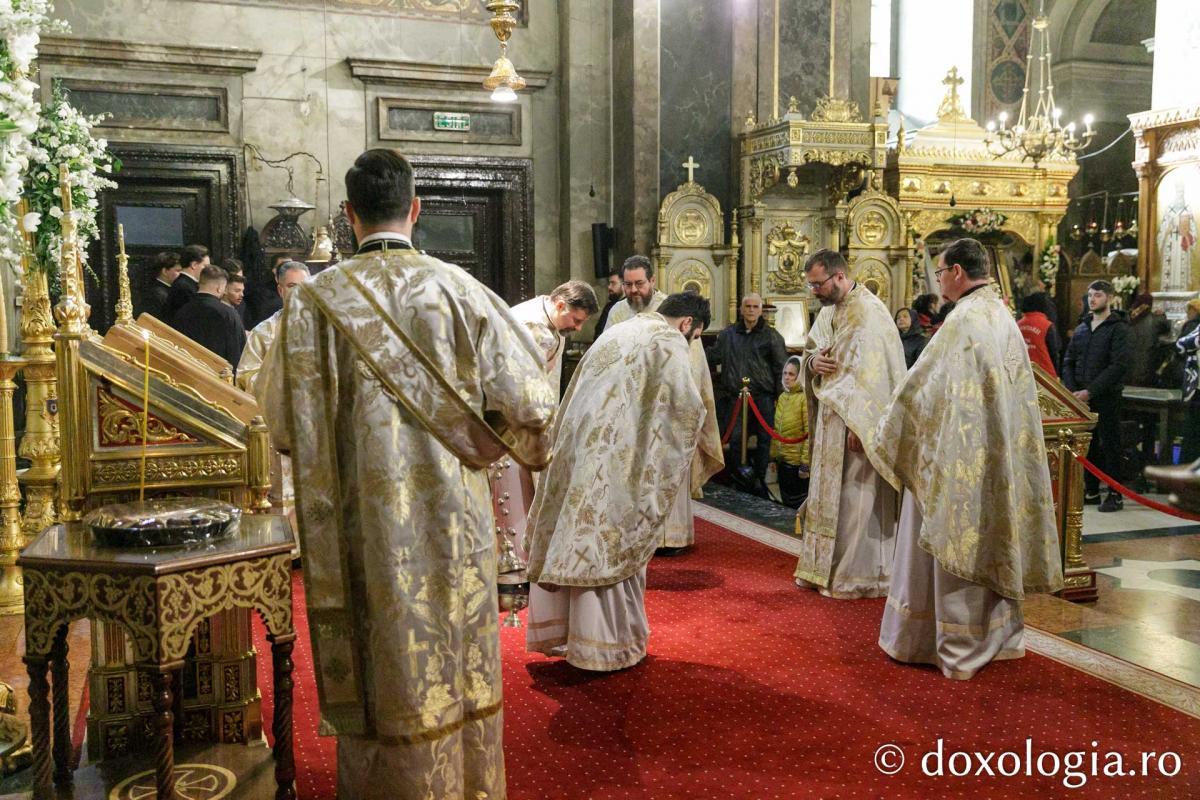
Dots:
(504, 81)
(1038, 135)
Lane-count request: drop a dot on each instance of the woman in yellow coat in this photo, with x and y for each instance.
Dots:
(791, 422)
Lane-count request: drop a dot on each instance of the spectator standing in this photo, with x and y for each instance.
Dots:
(1038, 332)
(911, 335)
(791, 422)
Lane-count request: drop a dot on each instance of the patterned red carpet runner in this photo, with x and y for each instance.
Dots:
(755, 689)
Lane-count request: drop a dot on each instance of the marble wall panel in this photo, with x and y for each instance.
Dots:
(803, 53)
(696, 95)
(303, 97)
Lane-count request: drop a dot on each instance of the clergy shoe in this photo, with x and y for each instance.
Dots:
(1112, 503)
(1091, 499)
(669, 551)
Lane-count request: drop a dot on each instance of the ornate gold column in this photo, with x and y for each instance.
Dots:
(1079, 580)
(72, 313)
(11, 540)
(40, 442)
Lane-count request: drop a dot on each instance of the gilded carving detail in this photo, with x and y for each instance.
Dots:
(872, 228)
(690, 226)
(1053, 408)
(786, 248)
(126, 471)
(833, 109)
(120, 424)
(159, 614)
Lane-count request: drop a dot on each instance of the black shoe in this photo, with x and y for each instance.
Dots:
(1091, 499)
(670, 551)
(1112, 503)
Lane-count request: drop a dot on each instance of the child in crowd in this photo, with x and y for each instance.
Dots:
(791, 422)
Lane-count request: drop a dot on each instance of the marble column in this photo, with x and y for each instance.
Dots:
(585, 125)
(635, 129)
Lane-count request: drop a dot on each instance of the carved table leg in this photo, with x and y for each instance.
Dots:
(164, 724)
(60, 672)
(39, 724)
(281, 725)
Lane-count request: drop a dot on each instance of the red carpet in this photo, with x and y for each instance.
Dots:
(754, 689)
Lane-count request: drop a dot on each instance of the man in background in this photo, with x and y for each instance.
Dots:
(192, 260)
(154, 297)
(209, 322)
(235, 290)
(615, 294)
(1094, 369)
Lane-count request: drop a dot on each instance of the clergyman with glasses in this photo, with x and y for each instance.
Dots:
(853, 360)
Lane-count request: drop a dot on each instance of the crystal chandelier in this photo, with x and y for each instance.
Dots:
(504, 81)
(1039, 135)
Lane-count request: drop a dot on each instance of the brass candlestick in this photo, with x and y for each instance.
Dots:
(12, 599)
(124, 301)
(40, 443)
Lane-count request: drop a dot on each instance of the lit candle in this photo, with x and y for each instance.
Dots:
(145, 416)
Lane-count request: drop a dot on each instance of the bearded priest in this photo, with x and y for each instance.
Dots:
(963, 435)
(853, 360)
(641, 296)
(622, 445)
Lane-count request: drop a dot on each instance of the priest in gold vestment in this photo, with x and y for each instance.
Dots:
(853, 361)
(623, 442)
(394, 381)
(549, 319)
(637, 278)
(963, 435)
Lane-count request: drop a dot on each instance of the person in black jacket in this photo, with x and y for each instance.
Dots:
(1094, 369)
(193, 259)
(154, 295)
(749, 348)
(211, 323)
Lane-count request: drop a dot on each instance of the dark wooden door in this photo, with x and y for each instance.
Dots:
(166, 197)
(478, 213)
(464, 230)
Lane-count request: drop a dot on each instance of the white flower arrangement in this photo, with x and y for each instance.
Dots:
(1126, 285)
(22, 23)
(64, 136)
(1048, 267)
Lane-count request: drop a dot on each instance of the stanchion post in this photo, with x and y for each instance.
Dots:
(1079, 581)
(745, 415)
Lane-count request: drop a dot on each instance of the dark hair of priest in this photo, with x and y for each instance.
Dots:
(831, 260)
(576, 294)
(638, 262)
(687, 304)
(165, 260)
(380, 186)
(192, 254)
(970, 255)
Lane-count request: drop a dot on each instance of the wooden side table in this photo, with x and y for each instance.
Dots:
(159, 596)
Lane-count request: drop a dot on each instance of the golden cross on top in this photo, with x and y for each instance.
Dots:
(691, 165)
(952, 80)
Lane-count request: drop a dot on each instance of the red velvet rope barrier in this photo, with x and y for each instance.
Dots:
(768, 429)
(1132, 495)
(737, 409)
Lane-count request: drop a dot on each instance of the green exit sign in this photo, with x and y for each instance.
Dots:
(451, 121)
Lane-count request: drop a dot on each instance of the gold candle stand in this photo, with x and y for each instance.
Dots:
(11, 538)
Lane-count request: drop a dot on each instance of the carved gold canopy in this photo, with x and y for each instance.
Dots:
(949, 159)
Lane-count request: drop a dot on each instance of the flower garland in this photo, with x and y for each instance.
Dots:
(1048, 267)
(65, 137)
(979, 220)
(21, 25)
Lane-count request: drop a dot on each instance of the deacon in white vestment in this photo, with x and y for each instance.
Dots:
(394, 381)
(637, 277)
(963, 435)
(854, 360)
(622, 444)
(549, 319)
